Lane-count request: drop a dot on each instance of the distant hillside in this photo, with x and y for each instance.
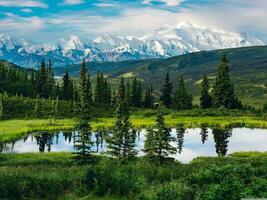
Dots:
(15, 79)
(248, 70)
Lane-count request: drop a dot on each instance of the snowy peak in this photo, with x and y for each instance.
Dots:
(163, 42)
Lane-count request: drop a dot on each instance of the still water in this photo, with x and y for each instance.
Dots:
(190, 143)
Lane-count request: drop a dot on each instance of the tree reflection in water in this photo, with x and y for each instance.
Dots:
(221, 138)
(44, 140)
(180, 139)
(204, 134)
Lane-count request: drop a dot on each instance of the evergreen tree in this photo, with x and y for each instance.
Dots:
(149, 100)
(86, 90)
(136, 97)
(83, 142)
(182, 100)
(83, 139)
(67, 87)
(50, 82)
(158, 140)
(122, 141)
(223, 89)
(2, 113)
(166, 94)
(107, 92)
(205, 98)
(99, 89)
(128, 93)
(42, 81)
(38, 107)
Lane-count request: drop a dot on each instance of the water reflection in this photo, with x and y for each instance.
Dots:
(45, 139)
(221, 139)
(190, 143)
(180, 139)
(204, 134)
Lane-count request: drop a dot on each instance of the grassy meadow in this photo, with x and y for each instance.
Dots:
(55, 176)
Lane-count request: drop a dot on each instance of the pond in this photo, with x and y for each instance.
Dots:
(190, 143)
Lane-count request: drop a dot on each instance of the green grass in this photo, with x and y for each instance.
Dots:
(55, 176)
(12, 129)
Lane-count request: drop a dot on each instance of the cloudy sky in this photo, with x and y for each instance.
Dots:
(48, 20)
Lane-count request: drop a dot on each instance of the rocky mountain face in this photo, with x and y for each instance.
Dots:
(164, 42)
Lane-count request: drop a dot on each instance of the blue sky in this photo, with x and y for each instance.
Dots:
(49, 20)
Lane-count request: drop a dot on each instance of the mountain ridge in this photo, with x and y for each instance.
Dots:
(164, 42)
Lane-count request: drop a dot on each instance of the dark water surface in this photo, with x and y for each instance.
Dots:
(190, 143)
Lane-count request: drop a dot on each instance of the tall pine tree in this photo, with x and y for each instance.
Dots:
(42, 90)
(158, 140)
(182, 100)
(121, 143)
(223, 89)
(205, 98)
(85, 90)
(166, 93)
(67, 87)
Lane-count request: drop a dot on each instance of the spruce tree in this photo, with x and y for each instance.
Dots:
(136, 96)
(98, 89)
(50, 82)
(38, 107)
(149, 100)
(223, 89)
(121, 143)
(205, 98)
(83, 142)
(2, 113)
(86, 90)
(42, 81)
(166, 93)
(182, 100)
(158, 140)
(128, 93)
(67, 87)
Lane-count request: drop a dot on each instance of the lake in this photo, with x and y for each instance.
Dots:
(190, 143)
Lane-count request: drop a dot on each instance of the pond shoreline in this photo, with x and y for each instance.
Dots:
(12, 129)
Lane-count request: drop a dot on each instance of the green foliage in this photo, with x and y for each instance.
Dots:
(122, 140)
(182, 100)
(67, 87)
(223, 89)
(205, 98)
(53, 176)
(83, 143)
(102, 90)
(136, 93)
(85, 91)
(157, 145)
(166, 93)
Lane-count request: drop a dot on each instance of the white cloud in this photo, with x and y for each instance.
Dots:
(24, 3)
(167, 2)
(21, 25)
(106, 5)
(72, 2)
(246, 16)
(26, 10)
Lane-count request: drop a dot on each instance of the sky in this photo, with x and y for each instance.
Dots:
(49, 20)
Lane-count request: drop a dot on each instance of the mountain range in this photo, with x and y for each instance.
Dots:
(164, 42)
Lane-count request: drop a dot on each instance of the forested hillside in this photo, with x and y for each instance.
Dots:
(248, 68)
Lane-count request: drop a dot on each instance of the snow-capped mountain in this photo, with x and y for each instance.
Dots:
(166, 41)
